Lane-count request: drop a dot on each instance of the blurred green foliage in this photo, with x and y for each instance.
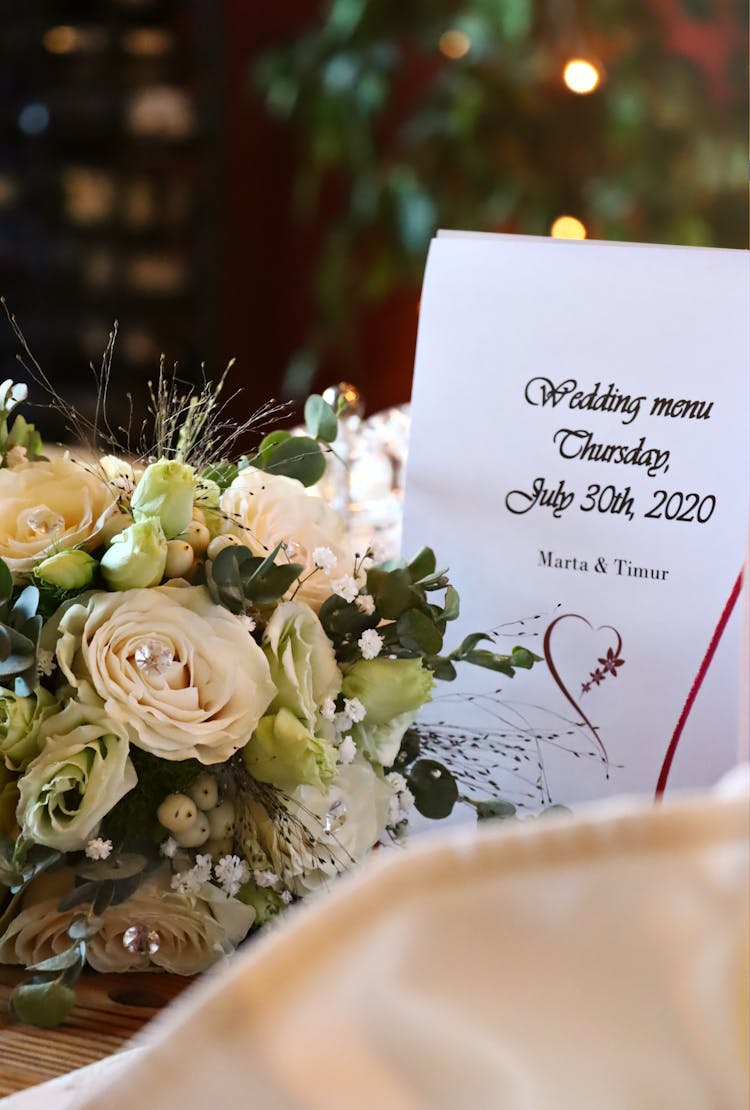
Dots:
(395, 140)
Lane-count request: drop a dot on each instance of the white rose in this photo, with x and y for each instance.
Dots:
(181, 673)
(80, 774)
(358, 802)
(302, 660)
(193, 930)
(272, 509)
(49, 506)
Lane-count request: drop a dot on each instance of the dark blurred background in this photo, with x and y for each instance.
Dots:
(236, 178)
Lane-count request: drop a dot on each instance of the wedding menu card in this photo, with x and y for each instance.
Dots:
(579, 457)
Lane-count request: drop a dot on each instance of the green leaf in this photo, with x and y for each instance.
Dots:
(222, 473)
(391, 590)
(82, 928)
(269, 587)
(340, 618)
(416, 632)
(452, 604)
(409, 750)
(522, 657)
(297, 457)
(79, 896)
(490, 660)
(45, 1004)
(422, 565)
(442, 668)
(273, 439)
(63, 960)
(6, 581)
(434, 788)
(468, 643)
(495, 807)
(121, 866)
(320, 419)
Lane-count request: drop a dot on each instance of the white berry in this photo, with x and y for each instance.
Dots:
(204, 791)
(221, 820)
(197, 535)
(177, 812)
(218, 543)
(196, 834)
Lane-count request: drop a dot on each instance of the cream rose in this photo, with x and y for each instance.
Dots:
(271, 509)
(356, 807)
(46, 506)
(193, 930)
(182, 674)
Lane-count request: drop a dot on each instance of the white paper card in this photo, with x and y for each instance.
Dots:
(579, 459)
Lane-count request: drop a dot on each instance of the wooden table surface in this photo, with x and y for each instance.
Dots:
(110, 1009)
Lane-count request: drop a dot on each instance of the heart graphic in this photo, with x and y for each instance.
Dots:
(610, 662)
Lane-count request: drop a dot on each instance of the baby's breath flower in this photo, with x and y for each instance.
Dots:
(328, 709)
(346, 750)
(370, 643)
(286, 897)
(98, 848)
(365, 603)
(247, 622)
(168, 847)
(45, 662)
(324, 559)
(345, 587)
(265, 878)
(231, 872)
(355, 710)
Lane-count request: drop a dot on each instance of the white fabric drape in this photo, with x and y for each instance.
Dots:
(592, 963)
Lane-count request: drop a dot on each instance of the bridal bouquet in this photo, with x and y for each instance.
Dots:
(207, 696)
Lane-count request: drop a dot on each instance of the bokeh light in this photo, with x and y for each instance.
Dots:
(568, 227)
(454, 44)
(581, 76)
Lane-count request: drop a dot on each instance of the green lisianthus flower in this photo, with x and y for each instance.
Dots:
(136, 557)
(285, 754)
(81, 773)
(391, 691)
(302, 661)
(166, 491)
(67, 570)
(20, 722)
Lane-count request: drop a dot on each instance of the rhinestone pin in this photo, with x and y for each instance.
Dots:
(335, 817)
(43, 521)
(153, 657)
(141, 941)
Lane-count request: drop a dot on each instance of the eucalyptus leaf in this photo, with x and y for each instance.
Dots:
(71, 957)
(45, 1004)
(409, 750)
(296, 457)
(116, 867)
(452, 604)
(434, 788)
(490, 660)
(320, 419)
(495, 807)
(416, 632)
(391, 590)
(422, 565)
(83, 928)
(522, 657)
(80, 895)
(6, 581)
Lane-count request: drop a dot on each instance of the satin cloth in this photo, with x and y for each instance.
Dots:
(596, 962)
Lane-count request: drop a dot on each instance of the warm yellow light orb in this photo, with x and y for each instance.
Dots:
(580, 76)
(60, 40)
(454, 44)
(567, 227)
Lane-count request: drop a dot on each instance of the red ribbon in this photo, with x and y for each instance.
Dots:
(707, 658)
